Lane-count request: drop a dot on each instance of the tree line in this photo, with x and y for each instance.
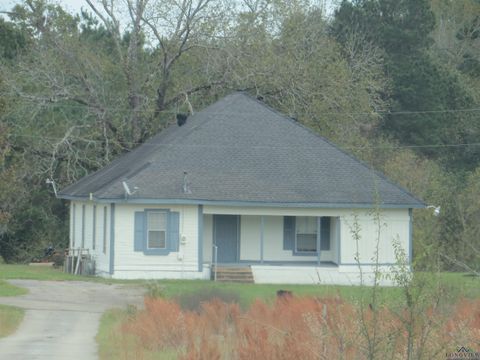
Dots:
(395, 82)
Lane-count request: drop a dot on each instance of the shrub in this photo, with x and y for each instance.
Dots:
(155, 289)
(58, 259)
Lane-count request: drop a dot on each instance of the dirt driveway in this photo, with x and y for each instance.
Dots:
(62, 318)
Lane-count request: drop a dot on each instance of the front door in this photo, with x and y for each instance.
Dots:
(225, 237)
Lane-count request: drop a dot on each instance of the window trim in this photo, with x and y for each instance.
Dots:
(307, 253)
(147, 233)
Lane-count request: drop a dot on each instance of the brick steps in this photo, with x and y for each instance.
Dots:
(234, 274)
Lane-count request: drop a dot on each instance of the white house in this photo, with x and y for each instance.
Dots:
(239, 185)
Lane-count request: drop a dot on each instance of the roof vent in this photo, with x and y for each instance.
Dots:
(186, 184)
(181, 119)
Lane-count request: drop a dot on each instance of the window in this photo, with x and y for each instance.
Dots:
(300, 234)
(156, 230)
(306, 234)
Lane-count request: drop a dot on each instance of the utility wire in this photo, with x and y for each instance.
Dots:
(58, 139)
(386, 112)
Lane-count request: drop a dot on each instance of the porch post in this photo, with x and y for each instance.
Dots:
(262, 229)
(319, 232)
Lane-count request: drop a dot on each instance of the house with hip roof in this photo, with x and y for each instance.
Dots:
(240, 186)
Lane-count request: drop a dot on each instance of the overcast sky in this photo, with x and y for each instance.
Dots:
(71, 5)
(75, 5)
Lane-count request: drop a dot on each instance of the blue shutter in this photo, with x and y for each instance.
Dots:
(139, 236)
(288, 232)
(173, 231)
(325, 234)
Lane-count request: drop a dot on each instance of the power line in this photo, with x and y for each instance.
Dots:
(386, 112)
(385, 147)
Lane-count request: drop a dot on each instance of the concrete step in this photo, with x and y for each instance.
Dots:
(227, 277)
(239, 281)
(233, 269)
(234, 274)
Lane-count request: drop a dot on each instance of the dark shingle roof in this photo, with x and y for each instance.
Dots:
(240, 150)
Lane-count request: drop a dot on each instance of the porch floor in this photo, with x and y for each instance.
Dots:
(241, 264)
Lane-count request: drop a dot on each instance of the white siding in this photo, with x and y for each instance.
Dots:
(77, 237)
(88, 227)
(102, 260)
(250, 238)
(181, 264)
(184, 263)
(394, 226)
(71, 232)
(103, 228)
(332, 254)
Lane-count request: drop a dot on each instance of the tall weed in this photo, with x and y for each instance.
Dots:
(296, 328)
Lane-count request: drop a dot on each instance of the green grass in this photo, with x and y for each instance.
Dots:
(7, 289)
(10, 319)
(457, 283)
(247, 293)
(460, 283)
(106, 336)
(8, 271)
(12, 271)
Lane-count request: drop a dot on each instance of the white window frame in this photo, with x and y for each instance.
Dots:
(312, 252)
(148, 229)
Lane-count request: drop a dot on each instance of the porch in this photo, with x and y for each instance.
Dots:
(271, 244)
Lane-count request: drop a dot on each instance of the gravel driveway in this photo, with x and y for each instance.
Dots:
(62, 318)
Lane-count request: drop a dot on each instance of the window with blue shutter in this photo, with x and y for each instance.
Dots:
(300, 234)
(157, 232)
(325, 233)
(174, 231)
(139, 230)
